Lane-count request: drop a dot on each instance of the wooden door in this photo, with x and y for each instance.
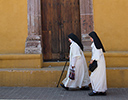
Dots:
(59, 18)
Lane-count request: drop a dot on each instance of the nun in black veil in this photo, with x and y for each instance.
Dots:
(98, 76)
(77, 63)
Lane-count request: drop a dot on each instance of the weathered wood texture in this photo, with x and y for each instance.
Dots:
(59, 18)
(50, 21)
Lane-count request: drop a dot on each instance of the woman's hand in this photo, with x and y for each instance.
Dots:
(73, 67)
(91, 61)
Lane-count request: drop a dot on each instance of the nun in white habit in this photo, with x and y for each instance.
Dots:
(98, 76)
(78, 62)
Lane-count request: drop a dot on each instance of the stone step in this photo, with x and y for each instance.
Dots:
(113, 59)
(49, 76)
(20, 60)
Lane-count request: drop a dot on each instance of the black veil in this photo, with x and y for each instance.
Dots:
(96, 40)
(75, 39)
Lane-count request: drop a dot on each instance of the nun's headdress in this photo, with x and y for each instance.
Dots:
(96, 40)
(75, 39)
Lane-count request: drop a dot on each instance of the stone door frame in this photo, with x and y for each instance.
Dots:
(33, 43)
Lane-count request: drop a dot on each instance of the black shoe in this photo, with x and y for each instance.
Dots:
(102, 93)
(64, 87)
(85, 88)
(93, 94)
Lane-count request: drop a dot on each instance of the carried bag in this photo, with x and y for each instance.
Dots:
(72, 74)
(93, 66)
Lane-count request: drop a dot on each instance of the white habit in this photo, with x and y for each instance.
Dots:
(98, 76)
(81, 70)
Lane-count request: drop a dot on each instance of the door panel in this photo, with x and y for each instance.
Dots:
(59, 18)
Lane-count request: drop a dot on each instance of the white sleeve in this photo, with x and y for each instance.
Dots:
(96, 54)
(74, 61)
(76, 51)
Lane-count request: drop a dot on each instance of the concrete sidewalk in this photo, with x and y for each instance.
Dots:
(59, 94)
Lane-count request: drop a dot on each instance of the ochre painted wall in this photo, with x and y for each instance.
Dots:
(111, 23)
(13, 26)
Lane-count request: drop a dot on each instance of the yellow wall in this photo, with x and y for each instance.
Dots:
(49, 77)
(13, 26)
(20, 61)
(111, 23)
